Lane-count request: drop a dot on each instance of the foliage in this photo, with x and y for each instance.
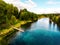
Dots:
(7, 12)
(26, 15)
(9, 15)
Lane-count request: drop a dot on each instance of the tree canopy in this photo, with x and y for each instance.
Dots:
(9, 14)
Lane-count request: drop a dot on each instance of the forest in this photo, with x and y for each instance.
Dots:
(10, 15)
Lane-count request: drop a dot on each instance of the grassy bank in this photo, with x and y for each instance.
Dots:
(4, 32)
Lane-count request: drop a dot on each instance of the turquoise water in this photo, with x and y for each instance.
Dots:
(41, 32)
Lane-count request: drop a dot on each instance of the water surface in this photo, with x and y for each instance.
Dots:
(41, 32)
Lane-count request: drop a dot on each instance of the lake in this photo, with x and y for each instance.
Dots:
(41, 32)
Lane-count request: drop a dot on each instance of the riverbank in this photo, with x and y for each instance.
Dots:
(56, 19)
(4, 32)
(40, 31)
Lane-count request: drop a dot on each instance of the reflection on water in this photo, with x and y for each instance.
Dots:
(26, 26)
(42, 32)
(39, 37)
(58, 27)
(7, 39)
(54, 26)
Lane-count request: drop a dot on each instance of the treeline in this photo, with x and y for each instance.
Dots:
(26, 15)
(10, 15)
(55, 18)
(42, 15)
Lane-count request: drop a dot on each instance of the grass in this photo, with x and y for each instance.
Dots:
(4, 32)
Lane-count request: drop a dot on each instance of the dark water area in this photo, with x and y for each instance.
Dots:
(42, 32)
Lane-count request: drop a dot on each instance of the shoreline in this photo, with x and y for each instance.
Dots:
(4, 32)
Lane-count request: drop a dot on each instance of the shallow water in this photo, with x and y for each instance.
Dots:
(41, 32)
